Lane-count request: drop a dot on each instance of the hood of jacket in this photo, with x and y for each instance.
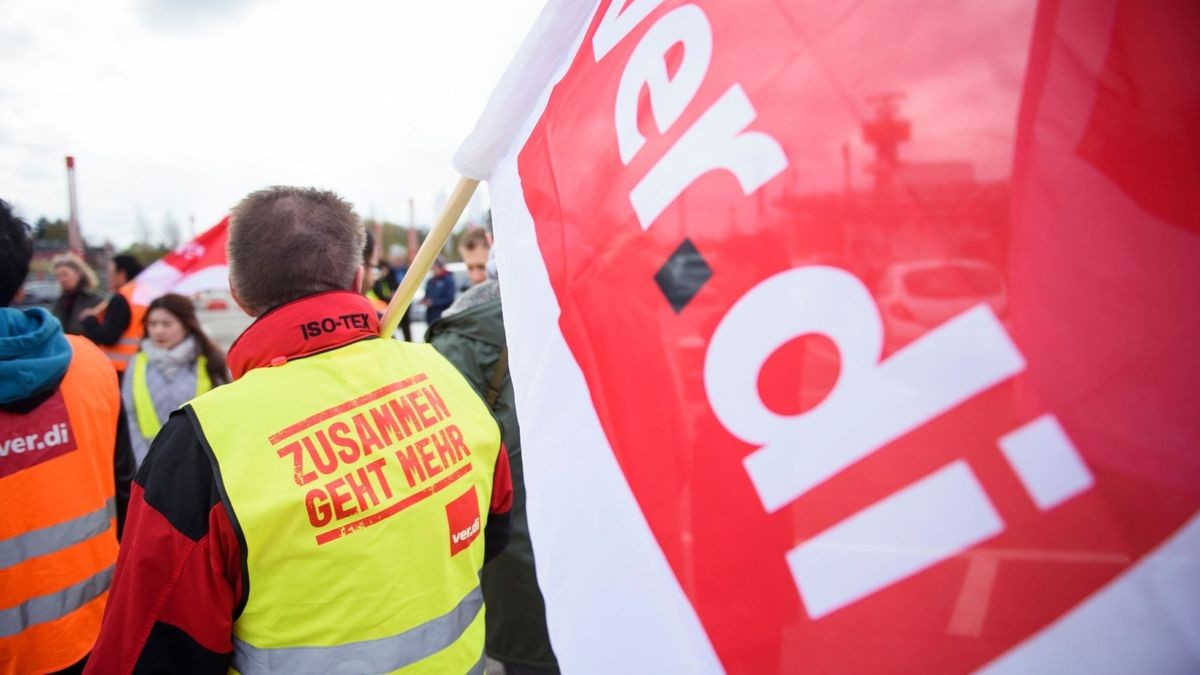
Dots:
(34, 353)
(483, 322)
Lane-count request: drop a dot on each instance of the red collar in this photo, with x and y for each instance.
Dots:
(312, 324)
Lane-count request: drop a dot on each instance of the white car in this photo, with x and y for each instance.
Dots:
(915, 296)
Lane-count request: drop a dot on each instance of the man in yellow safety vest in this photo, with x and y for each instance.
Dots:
(331, 508)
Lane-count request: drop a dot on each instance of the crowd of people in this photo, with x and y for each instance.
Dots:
(314, 500)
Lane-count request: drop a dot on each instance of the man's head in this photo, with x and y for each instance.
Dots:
(397, 256)
(122, 269)
(287, 242)
(439, 267)
(16, 250)
(474, 248)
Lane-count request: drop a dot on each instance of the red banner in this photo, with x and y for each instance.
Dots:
(886, 312)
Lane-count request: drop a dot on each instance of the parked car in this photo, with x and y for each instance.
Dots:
(915, 296)
(215, 300)
(459, 269)
(40, 293)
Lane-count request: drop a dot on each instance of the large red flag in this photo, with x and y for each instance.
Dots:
(859, 337)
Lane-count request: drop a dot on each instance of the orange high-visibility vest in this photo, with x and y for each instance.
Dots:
(127, 345)
(58, 542)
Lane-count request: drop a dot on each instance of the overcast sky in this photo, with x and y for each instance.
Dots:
(182, 106)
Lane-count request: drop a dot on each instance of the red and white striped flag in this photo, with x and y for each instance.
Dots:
(856, 337)
(199, 265)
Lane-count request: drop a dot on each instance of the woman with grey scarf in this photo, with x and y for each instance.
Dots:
(177, 362)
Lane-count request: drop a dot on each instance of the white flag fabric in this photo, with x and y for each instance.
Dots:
(847, 338)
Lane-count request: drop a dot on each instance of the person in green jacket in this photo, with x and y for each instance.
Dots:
(470, 335)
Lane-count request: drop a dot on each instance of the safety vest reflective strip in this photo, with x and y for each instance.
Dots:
(381, 655)
(58, 542)
(55, 605)
(51, 606)
(123, 350)
(56, 537)
(127, 345)
(143, 403)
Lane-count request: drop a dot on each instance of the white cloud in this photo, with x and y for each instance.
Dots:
(171, 108)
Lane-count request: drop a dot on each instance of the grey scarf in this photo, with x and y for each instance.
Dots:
(170, 361)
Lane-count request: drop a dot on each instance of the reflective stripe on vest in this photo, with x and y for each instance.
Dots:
(381, 655)
(362, 497)
(143, 403)
(57, 537)
(127, 345)
(54, 605)
(58, 540)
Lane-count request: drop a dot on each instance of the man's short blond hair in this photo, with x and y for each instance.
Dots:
(473, 238)
(288, 242)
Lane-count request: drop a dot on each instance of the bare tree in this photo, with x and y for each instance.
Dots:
(172, 235)
(142, 229)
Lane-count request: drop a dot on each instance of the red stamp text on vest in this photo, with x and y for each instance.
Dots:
(338, 458)
(38, 436)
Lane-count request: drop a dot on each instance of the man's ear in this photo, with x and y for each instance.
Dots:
(358, 280)
(241, 305)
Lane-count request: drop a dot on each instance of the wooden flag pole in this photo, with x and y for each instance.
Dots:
(429, 252)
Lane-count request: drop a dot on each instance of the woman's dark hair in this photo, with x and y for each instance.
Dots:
(183, 309)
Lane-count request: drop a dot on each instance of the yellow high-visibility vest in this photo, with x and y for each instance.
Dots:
(360, 479)
(143, 403)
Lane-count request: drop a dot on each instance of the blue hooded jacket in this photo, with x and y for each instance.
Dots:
(34, 353)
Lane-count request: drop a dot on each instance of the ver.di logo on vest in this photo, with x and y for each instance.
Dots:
(34, 438)
(58, 434)
(462, 516)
